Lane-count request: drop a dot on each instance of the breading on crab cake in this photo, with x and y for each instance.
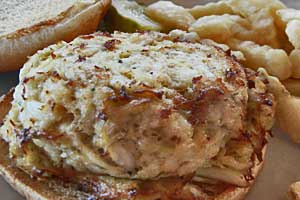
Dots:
(138, 116)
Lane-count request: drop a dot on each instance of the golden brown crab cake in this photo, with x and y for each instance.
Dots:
(142, 105)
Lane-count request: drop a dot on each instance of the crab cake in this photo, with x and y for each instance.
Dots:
(142, 106)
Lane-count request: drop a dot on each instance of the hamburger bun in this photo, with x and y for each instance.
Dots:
(27, 26)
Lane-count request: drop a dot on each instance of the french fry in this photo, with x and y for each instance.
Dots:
(293, 32)
(218, 27)
(218, 8)
(287, 109)
(275, 61)
(170, 15)
(293, 86)
(295, 60)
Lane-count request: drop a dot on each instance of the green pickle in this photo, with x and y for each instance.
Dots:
(128, 16)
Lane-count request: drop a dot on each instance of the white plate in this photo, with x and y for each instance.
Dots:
(282, 165)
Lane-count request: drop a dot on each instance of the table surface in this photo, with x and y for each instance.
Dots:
(282, 155)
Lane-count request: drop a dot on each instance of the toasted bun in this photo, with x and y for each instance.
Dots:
(39, 189)
(64, 20)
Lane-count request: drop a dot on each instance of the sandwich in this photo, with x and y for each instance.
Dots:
(28, 26)
(141, 116)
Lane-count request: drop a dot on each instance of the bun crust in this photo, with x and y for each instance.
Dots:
(78, 20)
(36, 189)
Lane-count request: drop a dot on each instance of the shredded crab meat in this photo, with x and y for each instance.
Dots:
(139, 106)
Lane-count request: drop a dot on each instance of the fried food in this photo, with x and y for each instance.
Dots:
(294, 191)
(295, 60)
(219, 27)
(293, 86)
(214, 8)
(169, 15)
(275, 61)
(293, 33)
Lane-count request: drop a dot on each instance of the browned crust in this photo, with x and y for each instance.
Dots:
(34, 189)
(17, 46)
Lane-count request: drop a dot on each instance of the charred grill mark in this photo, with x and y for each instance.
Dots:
(110, 45)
